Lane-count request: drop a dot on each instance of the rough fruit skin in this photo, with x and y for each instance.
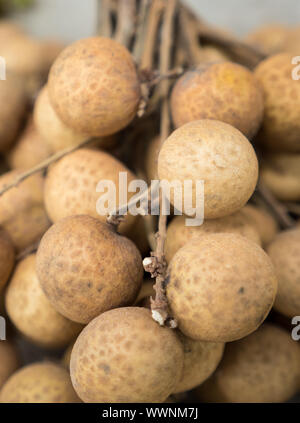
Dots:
(31, 312)
(264, 222)
(263, 367)
(200, 361)
(284, 251)
(125, 356)
(281, 125)
(220, 287)
(217, 153)
(85, 268)
(70, 186)
(39, 383)
(9, 361)
(7, 257)
(22, 212)
(178, 234)
(222, 91)
(94, 87)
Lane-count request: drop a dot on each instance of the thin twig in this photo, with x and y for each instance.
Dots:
(140, 32)
(190, 37)
(104, 22)
(125, 21)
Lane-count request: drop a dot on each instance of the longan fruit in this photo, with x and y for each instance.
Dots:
(220, 287)
(210, 53)
(31, 312)
(70, 186)
(86, 268)
(270, 38)
(30, 149)
(281, 174)
(7, 257)
(281, 124)
(66, 358)
(39, 383)
(22, 212)
(178, 234)
(200, 360)
(284, 251)
(263, 367)
(224, 91)
(109, 101)
(216, 153)
(9, 361)
(264, 223)
(292, 41)
(125, 356)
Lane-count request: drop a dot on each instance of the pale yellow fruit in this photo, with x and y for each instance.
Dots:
(220, 287)
(9, 361)
(109, 101)
(86, 268)
(263, 221)
(22, 212)
(125, 356)
(39, 383)
(31, 312)
(178, 233)
(216, 153)
(224, 91)
(284, 251)
(7, 257)
(270, 38)
(263, 367)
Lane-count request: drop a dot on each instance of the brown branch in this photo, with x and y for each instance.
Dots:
(126, 14)
(190, 37)
(104, 21)
(140, 32)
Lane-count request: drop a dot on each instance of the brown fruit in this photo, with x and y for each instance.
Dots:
(270, 38)
(31, 312)
(220, 287)
(86, 268)
(7, 257)
(281, 124)
(9, 361)
(263, 367)
(216, 153)
(224, 91)
(263, 221)
(109, 101)
(124, 356)
(178, 234)
(284, 251)
(39, 383)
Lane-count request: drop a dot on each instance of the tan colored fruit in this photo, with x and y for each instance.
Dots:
(71, 184)
(31, 312)
(216, 153)
(22, 211)
(281, 124)
(39, 383)
(221, 287)
(225, 91)
(51, 49)
(263, 367)
(124, 356)
(281, 173)
(65, 361)
(210, 53)
(200, 361)
(12, 108)
(270, 38)
(7, 257)
(284, 251)
(109, 101)
(292, 41)
(9, 29)
(30, 150)
(178, 233)
(263, 221)
(9, 361)
(86, 268)
(151, 159)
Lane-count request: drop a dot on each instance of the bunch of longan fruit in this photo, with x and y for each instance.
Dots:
(73, 290)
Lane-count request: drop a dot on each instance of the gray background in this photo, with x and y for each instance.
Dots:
(72, 19)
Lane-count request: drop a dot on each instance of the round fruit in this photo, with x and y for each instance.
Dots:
(86, 268)
(109, 101)
(211, 53)
(222, 91)
(216, 153)
(7, 257)
(71, 184)
(270, 38)
(284, 251)
(124, 356)
(292, 41)
(179, 234)
(39, 383)
(199, 362)
(9, 361)
(263, 367)
(281, 124)
(220, 287)
(31, 312)
(264, 223)
(22, 211)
